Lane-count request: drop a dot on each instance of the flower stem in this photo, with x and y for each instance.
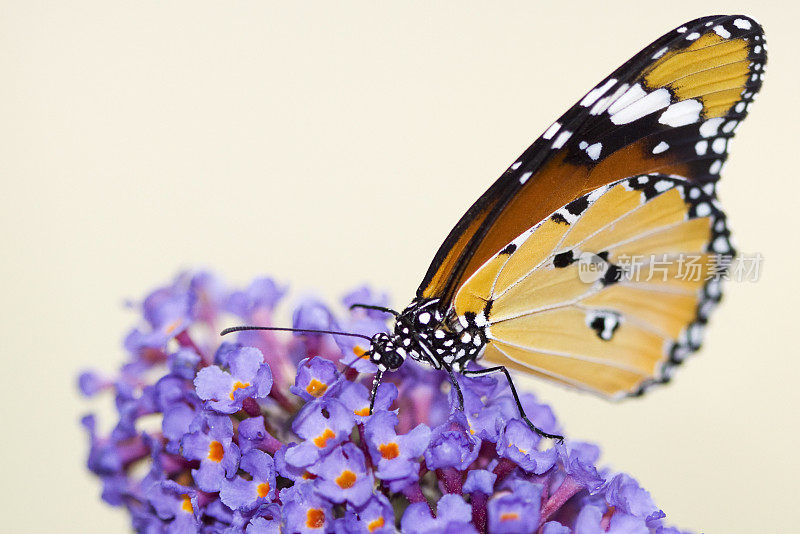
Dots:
(504, 468)
(414, 494)
(281, 399)
(362, 444)
(184, 340)
(479, 519)
(565, 491)
(450, 479)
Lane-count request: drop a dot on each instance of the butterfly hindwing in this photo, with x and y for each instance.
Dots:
(671, 109)
(609, 291)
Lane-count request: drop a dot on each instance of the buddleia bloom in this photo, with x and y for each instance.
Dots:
(272, 433)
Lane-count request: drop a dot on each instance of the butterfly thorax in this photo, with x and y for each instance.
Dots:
(425, 334)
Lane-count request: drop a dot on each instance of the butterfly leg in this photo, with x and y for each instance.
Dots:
(500, 368)
(375, 383)
(454, 381)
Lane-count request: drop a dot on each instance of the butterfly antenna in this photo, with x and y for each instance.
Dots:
(348, 367)
(283, 329)
(373, 307)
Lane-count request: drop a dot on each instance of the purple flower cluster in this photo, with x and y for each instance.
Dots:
(269, 433)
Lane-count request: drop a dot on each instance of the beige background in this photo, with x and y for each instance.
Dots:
(334, 145)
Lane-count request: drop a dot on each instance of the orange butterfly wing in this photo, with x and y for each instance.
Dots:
(670, 109)
(663, 244)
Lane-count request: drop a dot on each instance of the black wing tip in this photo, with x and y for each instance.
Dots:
(739, 25)
(720, 19)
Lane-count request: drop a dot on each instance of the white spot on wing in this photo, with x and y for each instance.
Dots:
(660, 147)
(629, 97)
(651, 103)
(696, 334)
(729, 126)
(606, 101)
(593, 151)
(692, 36)
(592, 96)
(597, 193)
(681, 113)
(703, 209)
(719, 145)
(609, 322)
(660, 53)
(709, 127)
(682, 29)
(742, 24)
(550, 132)
(524, 177)
(722, 32)
(701, 147)
(721, 245)
(662, 185)
(516, 166)
(562, 138)
(714, 288)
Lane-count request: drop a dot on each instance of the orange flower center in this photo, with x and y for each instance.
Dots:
(315, 518)
(239, 385)
(372, 526)
(186, 504)
(390, 451)
(309, 476)
(346, 479)
(215, 451)
(263, 489)
(509, 516)
(322, 440)
(173, 326)
(363, 412)
(315, 388)
(523, 451)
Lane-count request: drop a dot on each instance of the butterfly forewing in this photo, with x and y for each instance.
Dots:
(607, 292)
(671, 109)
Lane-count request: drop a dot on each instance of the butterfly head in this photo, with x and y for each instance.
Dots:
(386, 353)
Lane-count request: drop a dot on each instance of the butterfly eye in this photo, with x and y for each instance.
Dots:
(392, 360)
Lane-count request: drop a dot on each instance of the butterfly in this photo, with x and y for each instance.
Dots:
(537, 275)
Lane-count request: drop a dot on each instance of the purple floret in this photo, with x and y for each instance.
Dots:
(453, 516)
(395, 456)
(452, 445)
(248, 377)
(322, 425)
(314, 377)
(211, 443)
(513, 511)
(342, 476)
(258, 488)
(271, 433)
(518, 443)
